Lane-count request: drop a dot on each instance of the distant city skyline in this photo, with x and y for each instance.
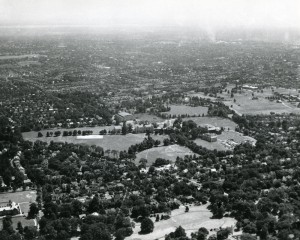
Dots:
(212, 14)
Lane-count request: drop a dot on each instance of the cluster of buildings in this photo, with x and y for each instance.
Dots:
(10, 208)
(138, 126)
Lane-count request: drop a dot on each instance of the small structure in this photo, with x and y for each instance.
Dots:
(249, 87)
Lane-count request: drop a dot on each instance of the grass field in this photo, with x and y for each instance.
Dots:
(167, 152)
(198, 216)
(182, 109)
(112, 142)
(24, 198)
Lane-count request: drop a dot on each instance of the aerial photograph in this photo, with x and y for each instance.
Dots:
(149, 119)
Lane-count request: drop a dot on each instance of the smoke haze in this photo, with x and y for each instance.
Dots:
(209, 14)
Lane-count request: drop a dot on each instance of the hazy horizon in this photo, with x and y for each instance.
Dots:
(213, 14)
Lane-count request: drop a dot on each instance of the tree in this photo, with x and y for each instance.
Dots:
(166, 142)
(20, 228)
(7, 224)
(187, 209)
(143, 162)
(96, 231)
(40, 134)
(33, 211)
(94, 205)
(201, 234)
(147, 226)
(30, 232)
(179, 232)
(124, 128)
(247, 236)
(223, 233)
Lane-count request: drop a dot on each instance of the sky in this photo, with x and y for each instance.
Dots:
(112, 13)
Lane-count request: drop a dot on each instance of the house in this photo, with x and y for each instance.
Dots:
(117, 129)
(149, 127)
(211, 128)
(209, 137)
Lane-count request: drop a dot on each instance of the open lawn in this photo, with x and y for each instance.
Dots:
(198, 216)
(182, 109)
(215, 121)
(210, 145)
(245, 105)
(24, 198)
(112, 142)
(148, 117)
(25, 222)
(167, 152)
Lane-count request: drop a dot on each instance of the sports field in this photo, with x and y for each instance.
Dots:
(198, 216)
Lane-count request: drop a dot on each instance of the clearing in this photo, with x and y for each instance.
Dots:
(198, 216)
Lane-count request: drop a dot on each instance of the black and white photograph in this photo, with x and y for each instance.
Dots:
(149, 119)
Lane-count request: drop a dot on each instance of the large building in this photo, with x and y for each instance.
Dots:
(124, 116)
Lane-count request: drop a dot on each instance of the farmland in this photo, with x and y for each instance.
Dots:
(167, 152)
(198, 216)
